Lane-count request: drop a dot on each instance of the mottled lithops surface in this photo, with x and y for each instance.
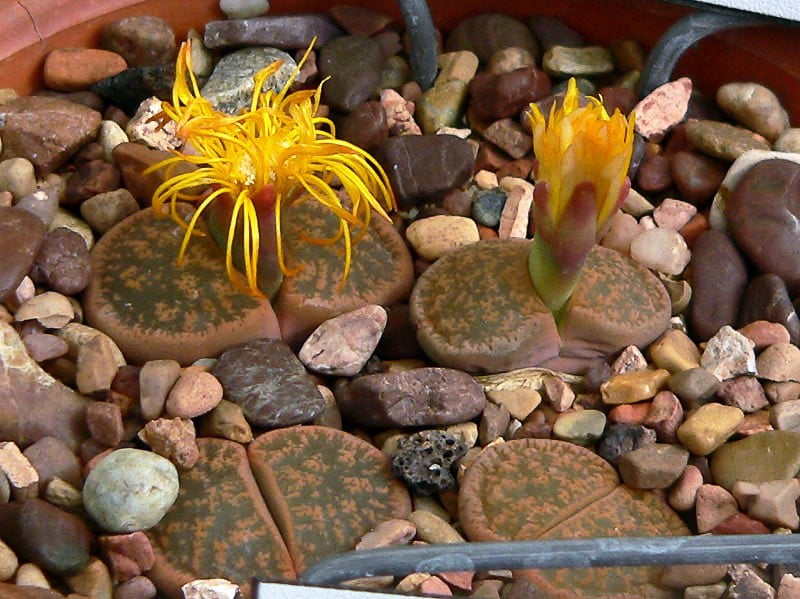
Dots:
(543, 489)
(325, 488)
(381, 271)
(154, 309)
(218, 502)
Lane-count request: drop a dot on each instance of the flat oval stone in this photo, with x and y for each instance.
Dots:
(154, 309)
(381, 270)
(130, 490)
(718, 277)
(722, 140)
(290, 32)
(587, 61)
(766, 298)
(219, 493)
(21, 235)
(765, 204)
(422, 167)
(418, 397)
(55, 540)
(771, 455)
(754, 106)
(141, 40)
(354, 64)
(63, 262)
(486, 34)
(496, 96)
(475, 310)
(269, 382)
(325, 488)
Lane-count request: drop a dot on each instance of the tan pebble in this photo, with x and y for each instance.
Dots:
(709, 427)
(486, 589)
(174, 439)
(109, 137)
(788, 141)
(461, 65)
(217, 588)
(405, 365)
(410, 583)
(31, 575)
(195, 393)
(706, 591)
(713, 505)
(630, 359)
(775, 503)
(22, 476)
(674, 351)
(485, 179)
(144, 129)
(520, 402)
(77, 335)
(764, 333)
(785, 416)
(8, 562)
(435, 586)
(430, 504)
(432, 237)
(622, 229)
(156, 378)
(226, 421)
(633, 386)
(18, 177)
(757, 422)
(683, 575)
(52, 309)
(466, 432)
(636, 204)
(493, 423)
(780, 392)
(559, 394)
(389, 443)
(788, 587)
(62, 494)
(390, 532)
(94, 581)
(330, 415)
(432, 529)
(779, 362)
(97, 366)
(682, 495)
(754, 106)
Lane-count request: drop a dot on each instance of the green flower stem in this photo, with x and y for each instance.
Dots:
(552, 281)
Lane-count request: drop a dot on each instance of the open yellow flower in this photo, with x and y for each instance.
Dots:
(582, 155)
(277, 151)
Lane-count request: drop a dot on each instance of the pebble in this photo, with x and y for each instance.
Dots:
(422, 167)
(18, 471)
(140, 40)
(663, 250)
(766, 298)
(503, 95)
(227, 420)
(432, 237)
(629, 360)
(21, 235)
(509, 136)
(43, 346)
(426, 461)
(774, 503)
(629, 413)
(63, 262)
(552, 31)
(194, 393)
(516, 213)
(63, 495)
(174, 439)
(488, 33)
(779, 362)
(105, 423)
(747, 584)
(519, 402)
(633, 386)
(145, 129)
(229, 88)
(104, 210)
(96, 366)
(754, 106)
(729, 353)
(244, 9)
(64, 218)
(713, 505)
(357, 20)
(43, 204)
(788, 141)
(785, 416)
(355, 65)
(583, 427)
(662, 109)
(396, 531)
(682, 495)
(46, 131)
(558, 394)
(398, 114)
(270, 384)
(91, 178)
(696, 176)
(771, 455)
(722, 140)
(155, 381)
(673, 214)
(130, 490)
(110, 135)
(74, 69)
(694, 386)
(680, 576)
(488, 205)
(621, 439)
(129, 554)
(367, 124)
(93, 581)
(788, 587)
(743, 392)
(622, 229)
(432, 529)
(8, 562)
(18, 177)
(494, 423)
(31, 576)
(653, 177)
(585, 61)
(708, 427)
(441, 106)
(211, 588)
(50, 309)
(51, 538)
(654, 466)
(292, 32)
(674, 351)
(419, 397)
(52, 458)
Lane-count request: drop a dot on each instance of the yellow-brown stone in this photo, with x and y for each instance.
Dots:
(675, 351)
(709, 427)
(631, 387)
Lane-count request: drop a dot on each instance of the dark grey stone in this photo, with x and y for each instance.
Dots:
(766, 298)
(354, 65)
(425, 461)
(290, 32)
(620, 438)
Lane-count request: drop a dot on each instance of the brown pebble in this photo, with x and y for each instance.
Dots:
(72, 69)
(196, 392)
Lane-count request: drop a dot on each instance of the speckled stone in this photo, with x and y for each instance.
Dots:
(575, 494)
(154, 309)
(343, 483)
(219, 493)
(230, 86)
(269, 382)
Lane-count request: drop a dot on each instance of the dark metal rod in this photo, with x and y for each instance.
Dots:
(569, 553)
(681, 36)
(421, 41)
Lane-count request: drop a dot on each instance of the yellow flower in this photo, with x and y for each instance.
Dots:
(582, 155)
(277, 151)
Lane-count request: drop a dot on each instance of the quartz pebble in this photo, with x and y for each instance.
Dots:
(709, 427)
(663, 250)
(21, 475)
(210, 588)
(662, 109)
(729, 353)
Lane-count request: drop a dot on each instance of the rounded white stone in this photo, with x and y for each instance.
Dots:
(663, 250)
(432, 237)
(243, 9)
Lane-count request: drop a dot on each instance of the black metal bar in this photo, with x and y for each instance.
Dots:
(682, 35)
(422, 41)
(569, 553)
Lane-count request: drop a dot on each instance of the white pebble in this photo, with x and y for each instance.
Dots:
(434, 236)
(109, 137)
(663, 250)
(243, 9)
